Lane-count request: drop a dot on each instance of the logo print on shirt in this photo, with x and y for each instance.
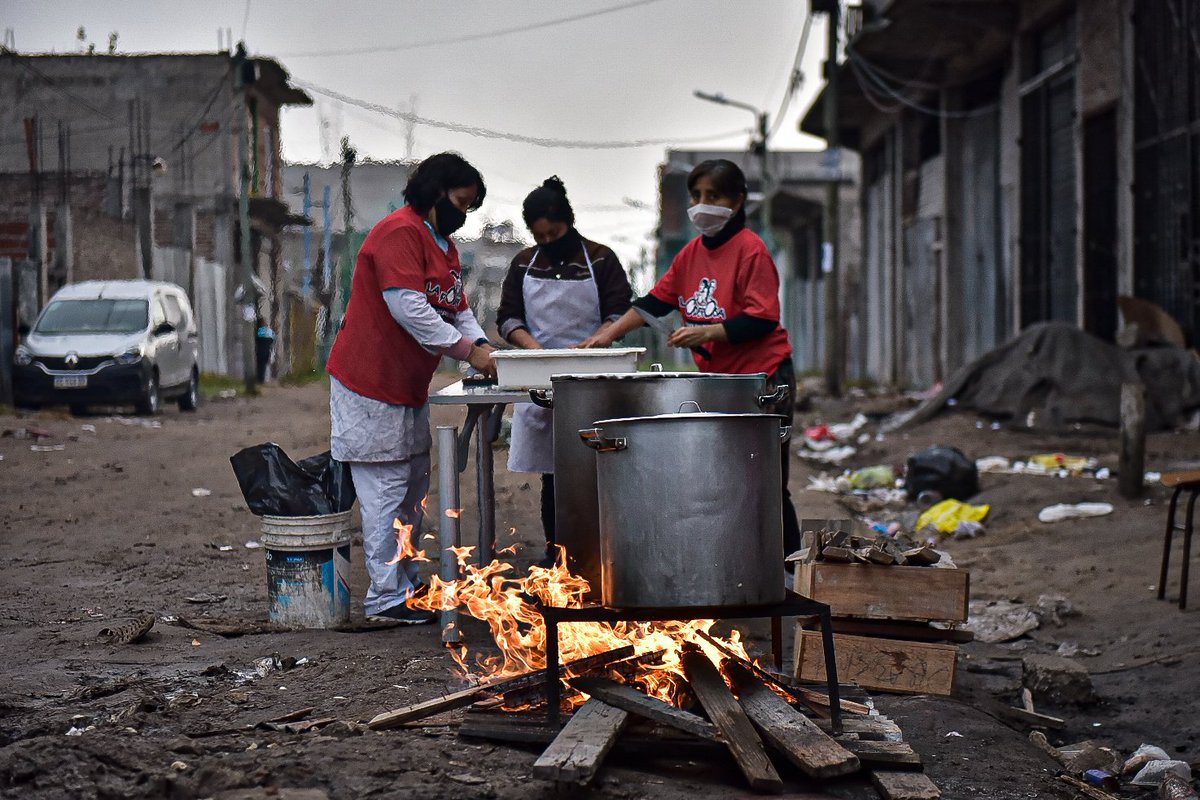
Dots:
(445, 297)
(702, 305)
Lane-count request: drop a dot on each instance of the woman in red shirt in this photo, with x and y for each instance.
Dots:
(725, 286)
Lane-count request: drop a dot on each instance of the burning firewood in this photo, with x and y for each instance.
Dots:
(730, 719)
(653, 709)
(575, 754)
(789, 731)
(465, 697)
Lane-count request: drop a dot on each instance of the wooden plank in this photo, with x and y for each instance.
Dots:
(892, 754)
(465, 697)
(904, 785)
(747, 749)
(651, 708)
(910, 630)
(789, 731)
(575, 754)
(878, 592)
(888, 665)
(878, 729)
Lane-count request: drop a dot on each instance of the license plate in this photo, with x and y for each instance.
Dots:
(70, 381)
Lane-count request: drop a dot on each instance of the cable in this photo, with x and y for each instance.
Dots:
(862, 68)
(193, 127)
(24, 63)
(488, 133)
(794, 79)
(354, 51)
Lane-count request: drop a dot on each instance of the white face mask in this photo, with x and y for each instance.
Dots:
(709, 219)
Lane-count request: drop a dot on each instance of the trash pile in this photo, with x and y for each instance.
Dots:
(1090, 764)
(833, 444)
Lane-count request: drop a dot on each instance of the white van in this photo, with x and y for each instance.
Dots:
(111, 343)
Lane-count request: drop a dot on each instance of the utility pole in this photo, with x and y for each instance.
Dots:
(249, 292)
(345, 264)
(830, 246)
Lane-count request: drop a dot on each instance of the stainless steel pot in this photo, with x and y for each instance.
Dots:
(579, 400)
(691, 509)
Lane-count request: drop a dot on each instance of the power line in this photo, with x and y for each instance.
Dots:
(24, 63)
(488, 133)
(866, 75)
(795, 78)
(354, 51)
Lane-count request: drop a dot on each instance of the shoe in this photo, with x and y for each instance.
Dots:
(403, 615)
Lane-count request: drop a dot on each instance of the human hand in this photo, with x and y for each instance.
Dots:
(481, 359)
(691, 336)
(598, 339)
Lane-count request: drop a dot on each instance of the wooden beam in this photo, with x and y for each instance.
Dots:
(575, 754)
(747, 749)
(879, 729)
(893, 754)
(890, 665)
(913, 631)
(905, 785)
(651, 708)
(465, 697)
(789, 731)
(878, 592)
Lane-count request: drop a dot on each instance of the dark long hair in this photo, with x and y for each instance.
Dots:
(726, 176)
(548, 201)
(437, 175)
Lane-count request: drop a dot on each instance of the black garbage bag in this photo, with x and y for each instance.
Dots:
(273, 484)
(942, 469)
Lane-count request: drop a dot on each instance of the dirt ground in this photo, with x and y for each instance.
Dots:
(108, 526)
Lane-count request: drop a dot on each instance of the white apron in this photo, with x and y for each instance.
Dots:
(559, 314)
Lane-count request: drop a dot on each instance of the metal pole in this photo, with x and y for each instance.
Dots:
(249, 293)
(448, 531)
(486, 492)
(768, 183)
(830, 248)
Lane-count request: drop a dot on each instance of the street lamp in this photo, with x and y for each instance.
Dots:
(759, 147)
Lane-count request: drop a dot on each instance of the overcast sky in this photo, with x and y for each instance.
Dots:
(625, 75)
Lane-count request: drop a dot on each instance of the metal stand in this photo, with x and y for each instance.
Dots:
(483, 419)
(793, 605)
(448, 529)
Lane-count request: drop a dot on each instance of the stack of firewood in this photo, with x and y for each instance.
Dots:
(895, 608)
(765, 720)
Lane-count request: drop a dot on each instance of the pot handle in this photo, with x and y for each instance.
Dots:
(785, 432)
(594, 438)
(656, 367)
(699, 410)
(542, 398)
(778, 396)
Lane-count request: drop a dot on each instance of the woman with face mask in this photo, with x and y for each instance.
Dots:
(407, 310)
(725, 286)
(557, 293)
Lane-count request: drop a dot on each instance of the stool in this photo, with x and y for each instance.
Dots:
(1181, 482)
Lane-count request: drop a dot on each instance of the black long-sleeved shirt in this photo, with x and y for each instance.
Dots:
(611, 282)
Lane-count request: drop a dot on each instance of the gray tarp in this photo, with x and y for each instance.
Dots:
(1065, 375)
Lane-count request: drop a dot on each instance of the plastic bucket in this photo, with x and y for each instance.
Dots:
(308, 569)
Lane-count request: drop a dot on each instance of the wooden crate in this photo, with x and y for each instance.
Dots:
(888, 665)
(883, 592)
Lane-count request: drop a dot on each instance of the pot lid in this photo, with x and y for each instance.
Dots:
(703, 416)
(653, 376)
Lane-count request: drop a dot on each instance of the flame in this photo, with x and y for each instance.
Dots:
(404, 545)
(454, 513)
(494, 594)
(510, 550)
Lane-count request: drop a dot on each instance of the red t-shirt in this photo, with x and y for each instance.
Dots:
(712, 286)
(373, 355)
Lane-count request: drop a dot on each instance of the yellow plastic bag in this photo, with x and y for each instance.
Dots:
(946, 515)
(1053, 461)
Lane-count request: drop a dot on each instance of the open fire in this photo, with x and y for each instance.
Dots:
(496, 595)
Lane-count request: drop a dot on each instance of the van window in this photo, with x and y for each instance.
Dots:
(93, 316)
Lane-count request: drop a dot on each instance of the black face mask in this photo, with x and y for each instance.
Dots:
(449, 217)
(563, 247)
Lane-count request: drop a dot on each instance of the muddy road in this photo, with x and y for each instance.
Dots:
(108, 526)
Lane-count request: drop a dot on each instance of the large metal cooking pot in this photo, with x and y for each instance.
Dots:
(691, 509)
(579, 400)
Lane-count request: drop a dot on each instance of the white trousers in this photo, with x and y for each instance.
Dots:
(388, 490)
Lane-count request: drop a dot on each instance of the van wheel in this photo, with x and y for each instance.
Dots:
(190, 399)
(150, 402)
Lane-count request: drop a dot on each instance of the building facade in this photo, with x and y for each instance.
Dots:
(128, 166)
(1023, 161)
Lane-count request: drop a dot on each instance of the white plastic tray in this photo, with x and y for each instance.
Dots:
(531, 369)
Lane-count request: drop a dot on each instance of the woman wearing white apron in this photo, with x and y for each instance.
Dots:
(556, 294)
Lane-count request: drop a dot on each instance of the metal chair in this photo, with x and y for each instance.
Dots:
(1181, 482)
